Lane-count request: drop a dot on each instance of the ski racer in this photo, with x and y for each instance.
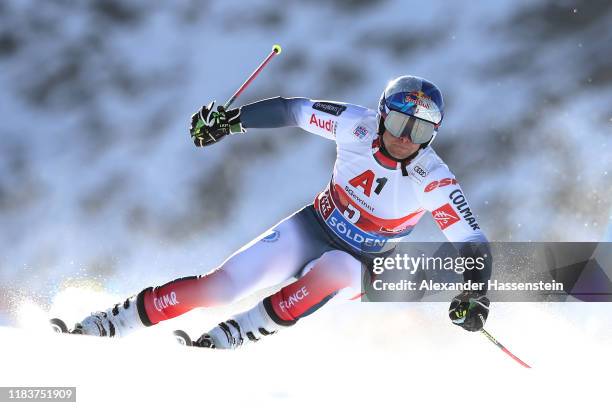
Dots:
(385, 178)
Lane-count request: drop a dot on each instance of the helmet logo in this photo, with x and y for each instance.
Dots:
(419, 98)
(412, 96)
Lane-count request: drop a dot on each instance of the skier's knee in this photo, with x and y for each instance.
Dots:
(332, 272)
(218, 288)
(340, 267)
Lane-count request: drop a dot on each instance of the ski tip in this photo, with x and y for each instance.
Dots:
(182, 338)
(58, 325)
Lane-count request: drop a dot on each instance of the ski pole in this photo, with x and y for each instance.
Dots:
(276, 49)
(505, 350)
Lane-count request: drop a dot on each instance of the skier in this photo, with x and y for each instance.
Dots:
(386, 176)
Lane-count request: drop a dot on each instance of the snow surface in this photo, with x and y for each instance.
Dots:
(350, 355)
(347, 354)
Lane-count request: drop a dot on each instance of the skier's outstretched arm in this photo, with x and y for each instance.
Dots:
(324, 118)
(272, 113)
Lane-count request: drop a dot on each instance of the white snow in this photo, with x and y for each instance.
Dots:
(350, 354)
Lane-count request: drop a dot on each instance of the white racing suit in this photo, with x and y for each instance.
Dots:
(369, 200)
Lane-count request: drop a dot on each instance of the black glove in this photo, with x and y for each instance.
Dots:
(469, 310)
(208, 127)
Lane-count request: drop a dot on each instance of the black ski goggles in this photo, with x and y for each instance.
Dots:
(417, 130)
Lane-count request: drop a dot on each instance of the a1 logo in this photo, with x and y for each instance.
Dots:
(365, 181)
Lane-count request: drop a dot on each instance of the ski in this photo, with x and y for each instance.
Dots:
(182, 338)
(58, 325)
(204, 341)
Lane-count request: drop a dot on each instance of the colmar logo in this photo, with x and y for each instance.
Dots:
(165, 301)
(329, 125)
(439, 183)
(445, 216)
(463, 208)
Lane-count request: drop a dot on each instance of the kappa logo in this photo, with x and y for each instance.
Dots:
(329, 125)
(445, 216)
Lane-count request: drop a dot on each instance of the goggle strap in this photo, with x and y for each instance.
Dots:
(407, 131)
